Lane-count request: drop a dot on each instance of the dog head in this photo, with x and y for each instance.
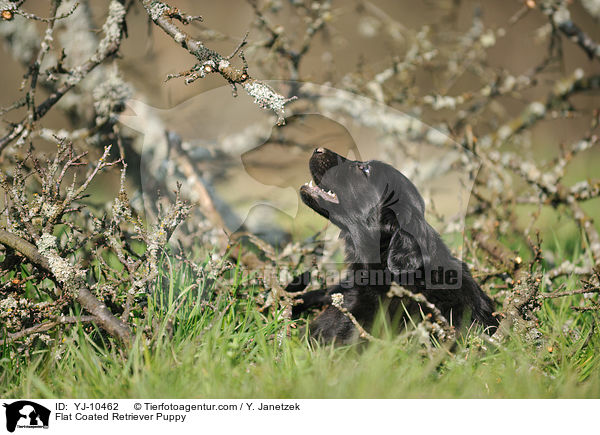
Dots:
(350, 192)
(370, 201)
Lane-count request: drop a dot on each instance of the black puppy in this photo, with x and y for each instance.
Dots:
(382, 220)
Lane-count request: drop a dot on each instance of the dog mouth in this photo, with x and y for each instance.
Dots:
(315, 191)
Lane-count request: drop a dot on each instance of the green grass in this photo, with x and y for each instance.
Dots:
(219, 345)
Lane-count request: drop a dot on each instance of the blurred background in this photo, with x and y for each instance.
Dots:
(457, 66)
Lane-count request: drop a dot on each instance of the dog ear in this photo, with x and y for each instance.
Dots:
(416, 249)
(408, 249)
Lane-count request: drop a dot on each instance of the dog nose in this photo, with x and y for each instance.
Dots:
(319, 150)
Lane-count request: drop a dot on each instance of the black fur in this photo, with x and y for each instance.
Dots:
(382, 220)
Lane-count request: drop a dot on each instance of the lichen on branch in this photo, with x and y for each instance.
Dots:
(209, 61)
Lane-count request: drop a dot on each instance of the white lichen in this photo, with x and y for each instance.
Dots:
(8, 303)
(592, 6)
(369, 27)
(488, 39)
(48, 210)
(439, 102)
(223, 63)
(112, 29)
(504, 132)
(267, 98)
(562, 15)
(537, 109)
(337, 299)
(157, 10)
(110, 97)
(179, 37)
(65, 272)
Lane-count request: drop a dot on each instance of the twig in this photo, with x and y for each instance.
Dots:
(192, 172)
(401, 292)
(337, 300)
(210, 61)
(575, 34)
(590, 308)
(108, 46)
(50, 20)
(569, 293)
(519, 306)
(102, 315)
(46, 326)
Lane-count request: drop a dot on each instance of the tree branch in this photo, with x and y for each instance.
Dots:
(46, 326)
(210, 61)
(101, 313)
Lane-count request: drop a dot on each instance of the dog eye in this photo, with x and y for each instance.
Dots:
(365, 169)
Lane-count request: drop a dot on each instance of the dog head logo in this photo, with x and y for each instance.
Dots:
(26, 414)
(251, 169)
